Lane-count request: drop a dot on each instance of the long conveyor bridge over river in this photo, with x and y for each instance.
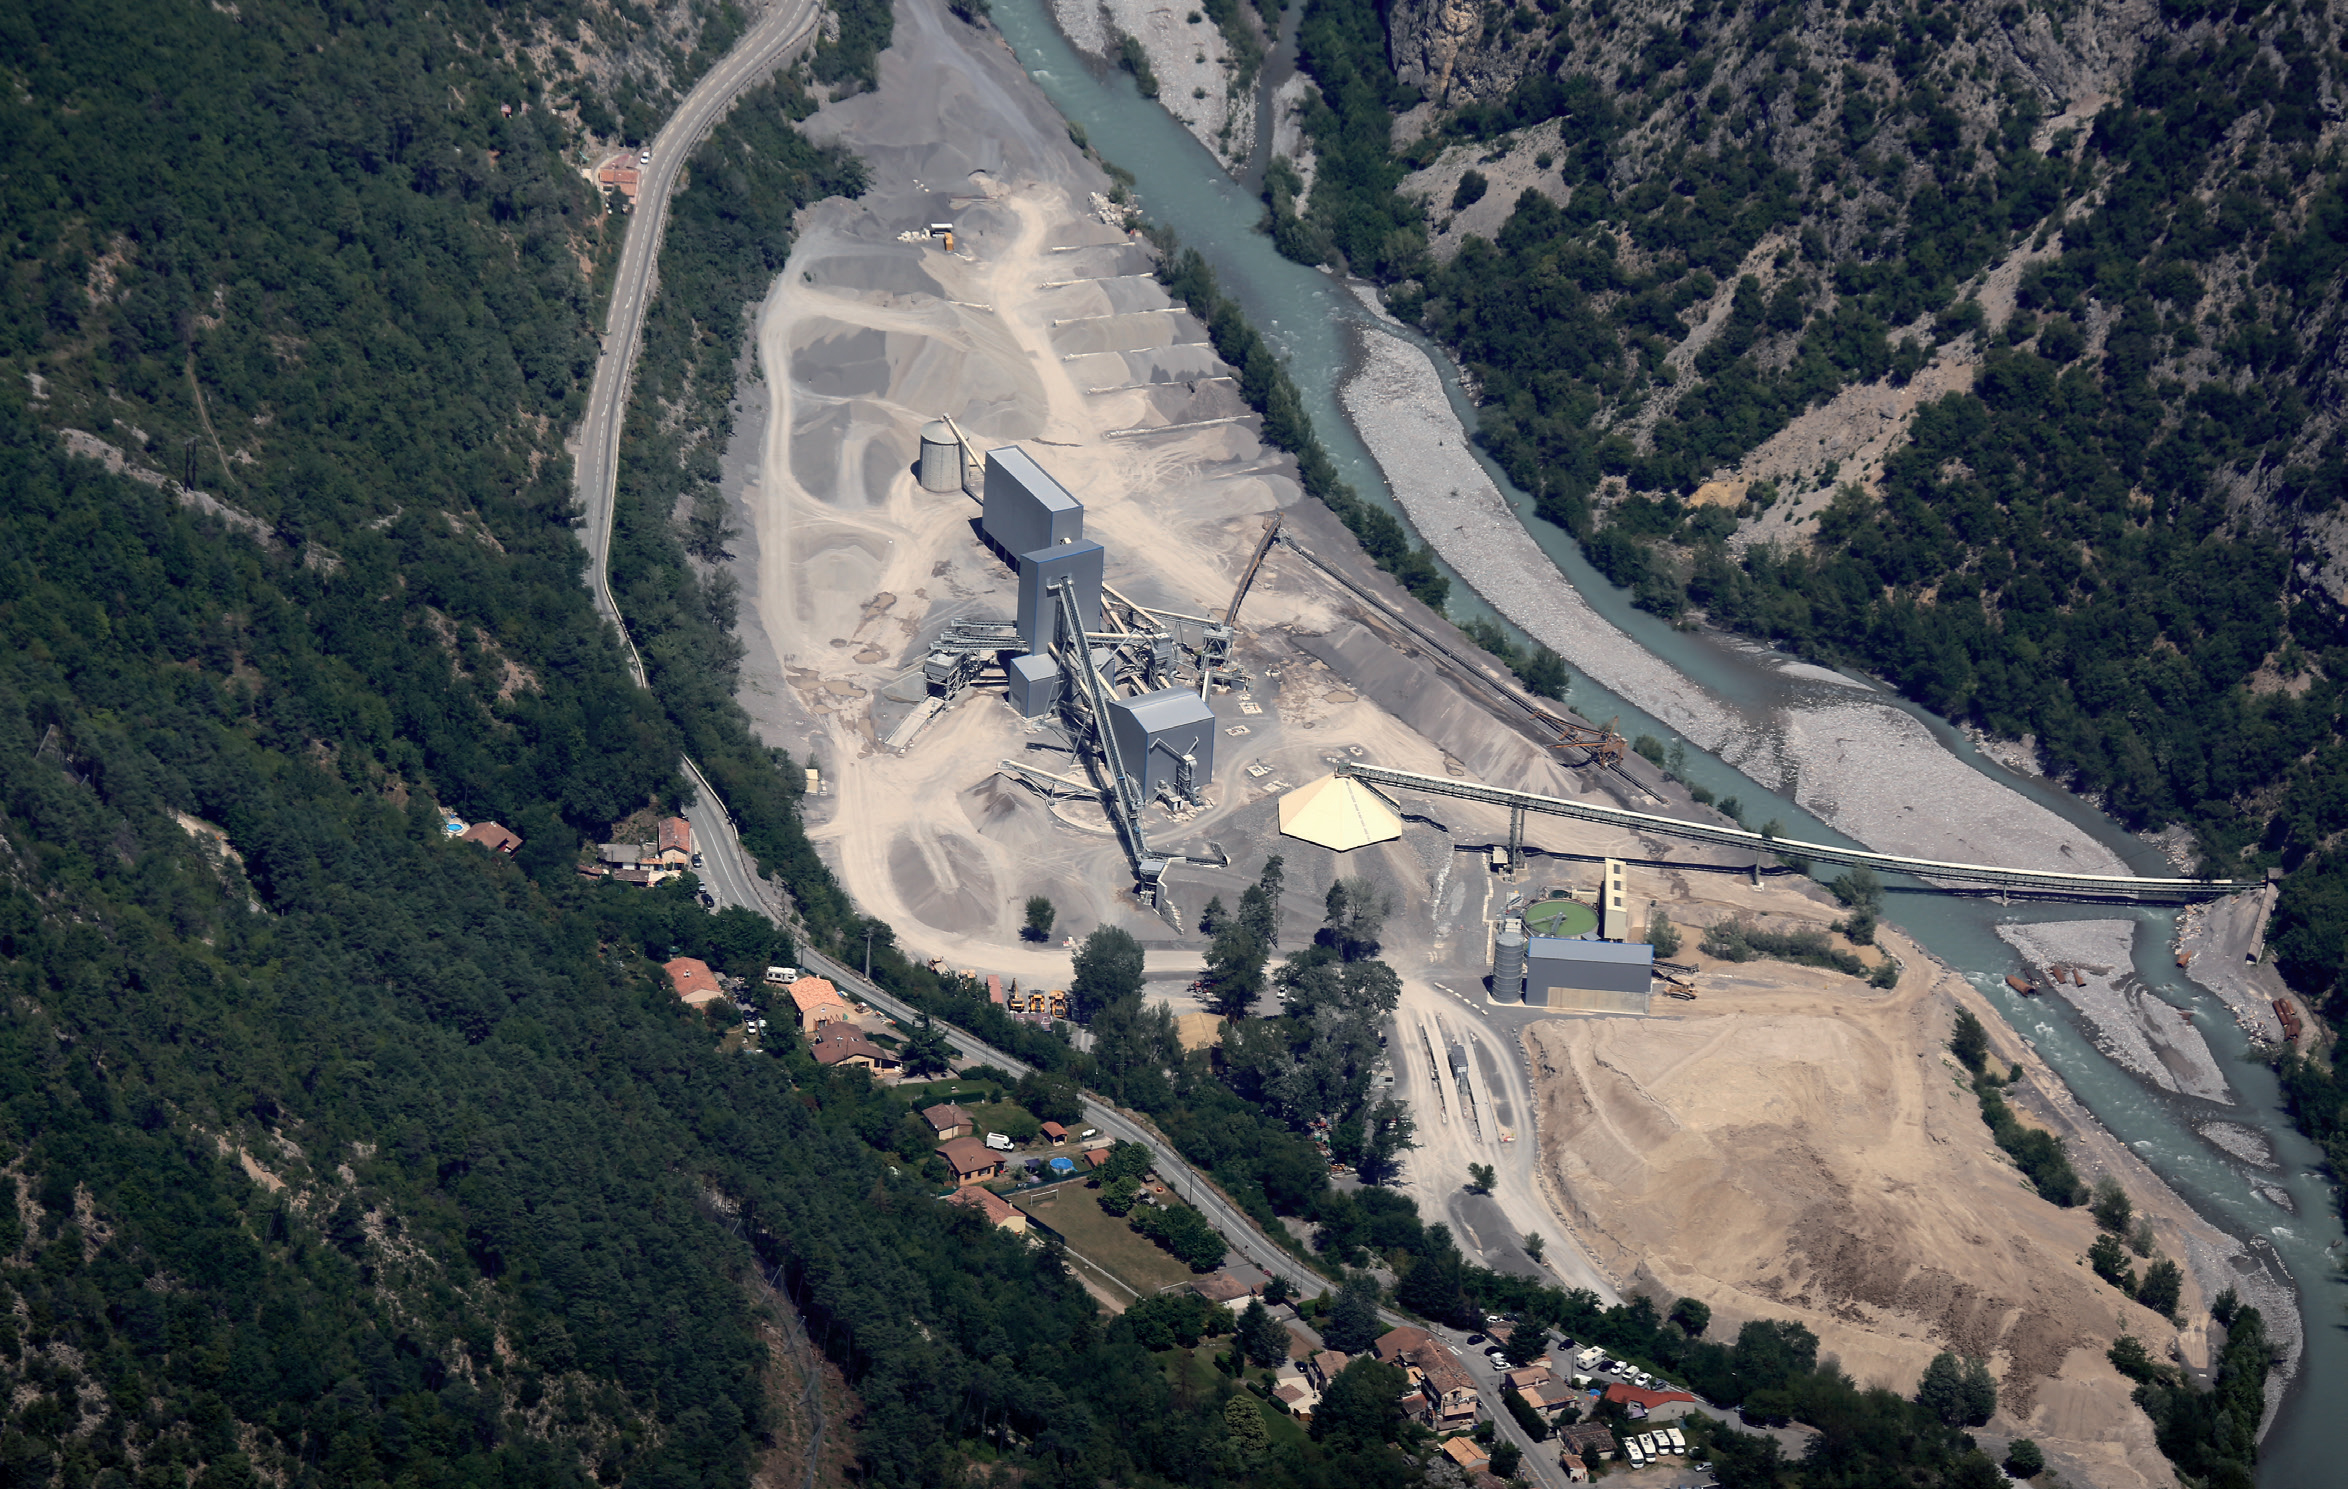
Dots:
(2035, 883)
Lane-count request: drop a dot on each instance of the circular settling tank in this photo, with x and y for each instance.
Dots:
(1561, 918)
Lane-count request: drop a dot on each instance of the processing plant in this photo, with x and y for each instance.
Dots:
(1129, 682)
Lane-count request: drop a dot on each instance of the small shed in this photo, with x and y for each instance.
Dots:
(1055, 1134)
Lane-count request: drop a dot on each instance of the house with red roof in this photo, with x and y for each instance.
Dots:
(1646, 1405)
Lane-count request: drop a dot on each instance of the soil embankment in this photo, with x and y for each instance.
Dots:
(1797, 1144)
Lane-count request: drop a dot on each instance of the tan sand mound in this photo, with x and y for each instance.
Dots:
(1812, 1154)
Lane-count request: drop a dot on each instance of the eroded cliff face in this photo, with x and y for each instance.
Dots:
(1460, 51)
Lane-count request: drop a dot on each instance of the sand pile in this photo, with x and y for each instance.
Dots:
(1815, 1156)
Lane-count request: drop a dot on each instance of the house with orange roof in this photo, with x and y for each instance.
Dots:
(819, 1003)
(1646, 1405)
(694, 983)
(998, 1210)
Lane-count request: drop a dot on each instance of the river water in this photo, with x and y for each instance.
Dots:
(1317, 324)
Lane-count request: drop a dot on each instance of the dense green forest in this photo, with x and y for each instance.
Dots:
(347, 1152)
(2106, 545)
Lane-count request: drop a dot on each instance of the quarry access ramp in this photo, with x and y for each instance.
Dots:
(2033, 883)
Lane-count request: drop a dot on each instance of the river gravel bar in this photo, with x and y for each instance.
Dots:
(2139, 1032)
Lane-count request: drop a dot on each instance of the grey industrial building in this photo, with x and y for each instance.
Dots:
(1593, 976)
(1034, 685)
(1154, 733)
(1083, 561)
(1025, 509)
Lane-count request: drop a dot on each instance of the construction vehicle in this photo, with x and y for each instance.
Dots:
(1606, 746)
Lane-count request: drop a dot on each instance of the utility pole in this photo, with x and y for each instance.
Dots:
(868, 930)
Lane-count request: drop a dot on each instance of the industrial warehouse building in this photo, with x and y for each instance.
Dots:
(1591, 976)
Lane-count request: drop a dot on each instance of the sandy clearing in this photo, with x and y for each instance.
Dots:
(1803, 1147)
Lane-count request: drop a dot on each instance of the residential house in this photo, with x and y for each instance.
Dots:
(1449, 1391)
(845, 1044)
(674, 849)
(1467, 1453)
(972, 1161)
(1551, 1398)
(491, 836)
(622, 177)
(998, 1210)
(1527, 1378)
(1591, 1441)
(1645, 1405)
(948, 1121)
(613, 857)
(694, 982)
(1055, 1135)
(1325, 1365)
(1291, 1392)
(819, 1003)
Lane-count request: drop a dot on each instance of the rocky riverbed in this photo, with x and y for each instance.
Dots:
(2152, 1039)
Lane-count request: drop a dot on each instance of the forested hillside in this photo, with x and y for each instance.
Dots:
(2122, 542)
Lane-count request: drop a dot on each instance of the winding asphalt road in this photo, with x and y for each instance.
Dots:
(596, 459)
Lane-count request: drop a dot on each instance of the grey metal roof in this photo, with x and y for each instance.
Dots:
(1021, 466)
(1562, 949)
(1170, 709)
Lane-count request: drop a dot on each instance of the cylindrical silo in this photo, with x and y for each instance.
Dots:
(1508, 967)
(941, 457)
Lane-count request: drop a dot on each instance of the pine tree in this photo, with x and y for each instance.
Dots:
(1247, 1443)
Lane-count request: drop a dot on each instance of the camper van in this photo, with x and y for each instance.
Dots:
(1679, 1443)
(1589, 1357)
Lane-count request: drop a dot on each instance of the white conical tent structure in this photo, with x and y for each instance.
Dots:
(1338, 813)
